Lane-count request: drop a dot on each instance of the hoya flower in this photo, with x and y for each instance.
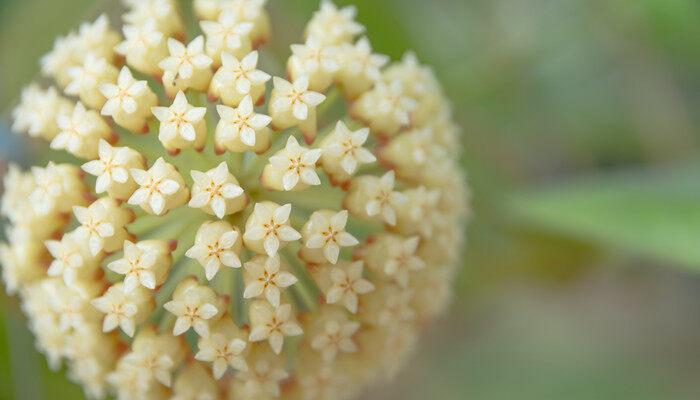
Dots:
(345, 285)
(236, 79)
(129, 102)
(343, 152)
(263, 277)
(294, 104)
(370, 197)
(124, 309)
(80, 132)
(187, 67)
(324, 234)
(229, 34)
(292, 168)
(272, 324)
(112, 170)
(223, 348)
(102, 225)
(187, 201)
(181, 125)
(194, 306)
(161, 188)
(333, 334)
(267, 229)
(143, 46)
(217, 244)
(217, 192)
(241, 129)
(87, 78)
(144, 263)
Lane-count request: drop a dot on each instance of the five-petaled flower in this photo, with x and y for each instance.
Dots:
(216, 244)
(222, 353)
(216, 191)
(272, 324)
(267, 228)
(293, 167)
(159, 188)
(181, 125)
(325, 232)
(347, 285)
(263, 277)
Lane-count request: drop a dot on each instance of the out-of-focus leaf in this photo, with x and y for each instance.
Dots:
(654, 213)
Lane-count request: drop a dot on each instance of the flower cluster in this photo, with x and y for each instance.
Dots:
(221, 233)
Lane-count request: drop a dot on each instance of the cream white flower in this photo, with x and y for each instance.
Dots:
(386, 108)
(325, 233)
(98, 38)
(263, 277)
(164, 13)
(80, 132)
(316, 60)
(144, 263)
(102, 225)
(241, 129)
(71, 259)
(193, 307)
(87, 78)
(262, 379)
(217, 192)
(186, 67)
(394, 257)
(370, 196)
(222, 353)
(216, 244)
(360, 68)
(181, 125)
(43, 124)
(334, 25)
(112, 170)
(236, 79)
(293, 104)
(343, 152)
(228, 34)
(63, 55)
(129, 102)
(292, 168)
(57, 188)
(154, 356)
(195, 382)
(272, 324)
(144, 46)
(347, 284)
(124, 309)
(267, 229)
(161, 188)
(335, 336)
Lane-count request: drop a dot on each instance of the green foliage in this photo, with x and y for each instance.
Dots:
(649, 213)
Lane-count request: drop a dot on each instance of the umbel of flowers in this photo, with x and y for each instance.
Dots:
(230, 226)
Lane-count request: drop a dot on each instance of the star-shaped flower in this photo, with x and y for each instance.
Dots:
(402, 260)
(229, 33)
(102, 225)
(348, 285)
(336, 337)
(268, 226)
(179, 120)
(383, 199)
(262, 379)
(295, 97)
(124, 95)
(263, 277)
(344, 147)
(137, 265)
(156, 187)
(80, 132)
(121, 308)
(222, 353)
(272, 324)
(326, 231)
(240, 123)
(214, 190)
(243, 76)
(112, 170)
(216, 244)
(71, 256)
(191, 312)
(364, 63)
(295, 164)
(183, 61)
(334, 25)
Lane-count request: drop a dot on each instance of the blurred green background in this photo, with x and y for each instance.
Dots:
(581, 140)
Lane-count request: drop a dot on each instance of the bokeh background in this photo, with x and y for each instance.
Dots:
(582, 143)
